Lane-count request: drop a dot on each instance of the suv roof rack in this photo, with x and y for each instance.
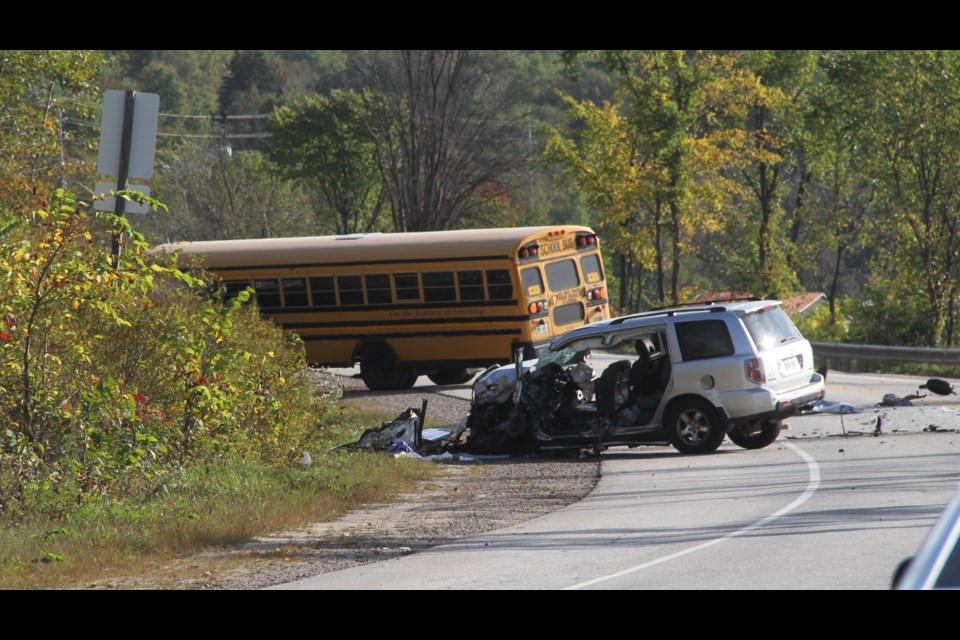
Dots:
(710, 306)
(668, 312)
(707, 303)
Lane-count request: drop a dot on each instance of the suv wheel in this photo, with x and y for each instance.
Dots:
(693, 426)
(756, 436)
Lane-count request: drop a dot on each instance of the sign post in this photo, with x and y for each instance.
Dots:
(128, 142)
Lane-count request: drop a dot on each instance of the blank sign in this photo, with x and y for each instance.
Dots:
(143, 142)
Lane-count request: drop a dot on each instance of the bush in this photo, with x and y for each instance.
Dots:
(114, 377)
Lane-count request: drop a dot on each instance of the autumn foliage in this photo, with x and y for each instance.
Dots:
(114, 377)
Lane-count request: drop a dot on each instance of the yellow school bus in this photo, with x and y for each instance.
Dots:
(439, 303)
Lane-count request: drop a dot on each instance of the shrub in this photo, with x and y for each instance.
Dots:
(113, 377)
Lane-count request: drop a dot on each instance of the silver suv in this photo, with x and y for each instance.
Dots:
(686, 376)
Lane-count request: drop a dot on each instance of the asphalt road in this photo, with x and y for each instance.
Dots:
(830, 505)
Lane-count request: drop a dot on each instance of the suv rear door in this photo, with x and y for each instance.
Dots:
(787, 356)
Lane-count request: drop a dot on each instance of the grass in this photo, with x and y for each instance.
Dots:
(117, 543)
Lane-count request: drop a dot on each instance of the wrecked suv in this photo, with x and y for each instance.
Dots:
(686, 376)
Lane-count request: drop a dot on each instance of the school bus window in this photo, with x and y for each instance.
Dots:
(407, 286)
(471, 285)
(232, 288)
(532, 281)
(324, 295)
(568, 314)
(562, 275)
(294, 292)
(438, 287)
(268, 293)
(592, 271)
(499, 286)
(378, 289)
(351, 289)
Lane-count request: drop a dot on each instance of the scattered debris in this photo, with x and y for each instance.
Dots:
(936, 429)
(305, 460)
(431, 435)
(893, 400)
(405, 436)
(939, 387)
(825, 406)
(406, 427)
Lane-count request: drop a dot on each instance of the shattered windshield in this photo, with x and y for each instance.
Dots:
(574, 352)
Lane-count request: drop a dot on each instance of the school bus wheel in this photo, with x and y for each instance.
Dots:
(382, 371)
(450, 375)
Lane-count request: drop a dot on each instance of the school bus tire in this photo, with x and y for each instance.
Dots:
(411, 379)
(381, 370)
(450, 375)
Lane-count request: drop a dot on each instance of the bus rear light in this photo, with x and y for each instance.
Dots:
(537, 307)
(753, 370)
(530, 251)
(582, 241)
(597, 294)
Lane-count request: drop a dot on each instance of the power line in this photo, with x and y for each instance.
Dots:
(217, 136)
(234, 136)
(216, 116)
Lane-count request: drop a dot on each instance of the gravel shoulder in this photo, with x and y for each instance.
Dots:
(466, 499)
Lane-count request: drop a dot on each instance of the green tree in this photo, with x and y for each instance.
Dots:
(325, 141)
(916, 124)
(770, 166)
(838, 155)
(252, 83)
(651, 161)
(217, 195)
(41, 92)
(252, 87)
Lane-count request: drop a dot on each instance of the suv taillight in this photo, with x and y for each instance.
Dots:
(753, 369)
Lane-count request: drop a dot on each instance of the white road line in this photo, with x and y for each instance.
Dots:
(813, 483)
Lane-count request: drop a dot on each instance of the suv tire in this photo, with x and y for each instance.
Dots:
(692, 425)
(768, 432)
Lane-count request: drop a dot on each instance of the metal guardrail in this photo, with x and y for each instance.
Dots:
(865, 358)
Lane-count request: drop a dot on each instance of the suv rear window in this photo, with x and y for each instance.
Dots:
(701, 339)
(770, 328)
